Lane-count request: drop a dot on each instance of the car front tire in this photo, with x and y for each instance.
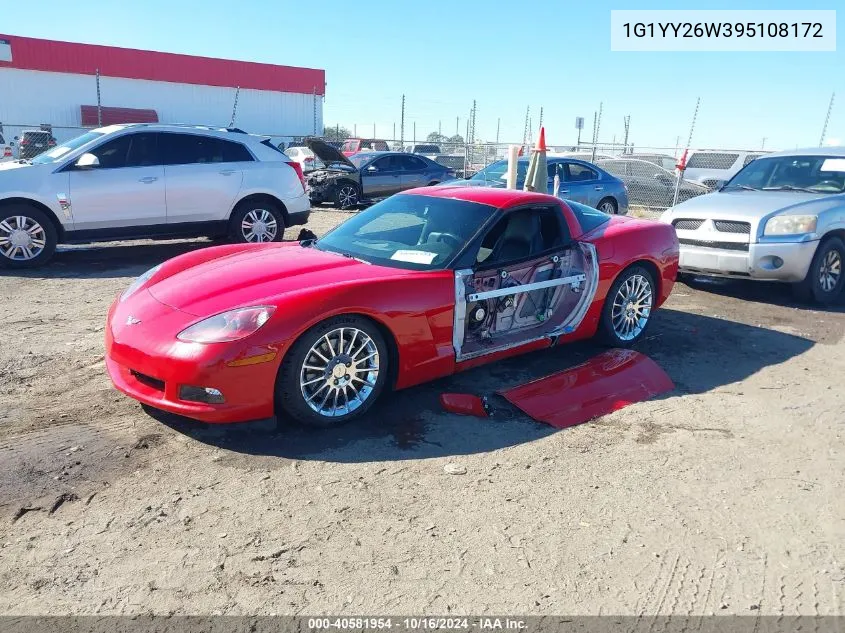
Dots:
(825, 278)
(333, 373)
(28, 237)
(347, 195)
(628, 307)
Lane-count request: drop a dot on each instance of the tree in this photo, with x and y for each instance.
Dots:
(336, 133)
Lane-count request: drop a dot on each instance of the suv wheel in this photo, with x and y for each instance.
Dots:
(28, 237)
(254, 222)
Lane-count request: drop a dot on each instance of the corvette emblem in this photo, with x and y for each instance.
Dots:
(130, 320)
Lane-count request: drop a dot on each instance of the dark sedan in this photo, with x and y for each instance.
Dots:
(369, 176)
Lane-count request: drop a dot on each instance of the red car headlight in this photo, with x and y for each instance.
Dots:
(227, 326)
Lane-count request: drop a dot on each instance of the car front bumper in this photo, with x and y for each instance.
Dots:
(769, 261)
(151, 368)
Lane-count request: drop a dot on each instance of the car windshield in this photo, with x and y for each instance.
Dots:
(812, 174)
(58, 152)
(409, 231)
(496, 173)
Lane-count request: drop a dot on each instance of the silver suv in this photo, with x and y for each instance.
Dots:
(148, 181)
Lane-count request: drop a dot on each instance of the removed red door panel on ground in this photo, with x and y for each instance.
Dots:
(603, 384)
(464, 404)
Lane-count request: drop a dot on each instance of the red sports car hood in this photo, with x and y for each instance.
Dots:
(259, 275)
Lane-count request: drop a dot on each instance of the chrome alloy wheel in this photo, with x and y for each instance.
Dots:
(347, 196)
(21, 238)
(339, 372)
(607, 207)
(631, 307)
(259, 225)
(830, 270)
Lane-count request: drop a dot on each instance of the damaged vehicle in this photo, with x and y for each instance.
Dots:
(347, 181)
(422, 285)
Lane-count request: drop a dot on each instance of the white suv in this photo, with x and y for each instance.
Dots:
(148, 181)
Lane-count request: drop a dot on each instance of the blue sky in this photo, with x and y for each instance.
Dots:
(506, 55)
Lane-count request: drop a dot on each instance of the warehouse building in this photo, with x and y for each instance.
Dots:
(54, 84)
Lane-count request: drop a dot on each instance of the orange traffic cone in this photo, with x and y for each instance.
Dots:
(521, 150)
(541, 142)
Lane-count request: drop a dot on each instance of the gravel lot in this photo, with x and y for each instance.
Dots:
(724, 496)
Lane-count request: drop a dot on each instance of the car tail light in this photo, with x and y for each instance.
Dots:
(298, 169)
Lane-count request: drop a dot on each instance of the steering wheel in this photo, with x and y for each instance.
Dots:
(451, 239)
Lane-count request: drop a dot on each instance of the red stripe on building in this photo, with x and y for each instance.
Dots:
(84, 59)
(114, 116)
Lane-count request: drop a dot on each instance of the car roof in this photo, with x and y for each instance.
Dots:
(492, 196)
(810, 151)
(210, 130)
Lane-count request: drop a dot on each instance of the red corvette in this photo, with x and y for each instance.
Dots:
(419, 286)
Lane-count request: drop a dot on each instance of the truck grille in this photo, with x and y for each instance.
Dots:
(728, 246)
(687, 225)
(728, 226)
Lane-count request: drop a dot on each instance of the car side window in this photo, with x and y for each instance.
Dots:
(523, 234)
(580, 173)
(556, 169)
(112, 154)
(386, 164)
(235, 152)
(191, 149)
(412, 163)
(143, 150)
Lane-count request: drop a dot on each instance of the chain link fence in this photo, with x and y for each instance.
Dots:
(649, 173)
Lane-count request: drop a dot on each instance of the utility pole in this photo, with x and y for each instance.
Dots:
(440, 127)
(541, 117)
(527, 124)
(355, 130)
(627, 128)
(498, 125)
(827, 119)
(472, 125)
(415, 133)
(402, 124)
(763, 143)
(457, 125)
(394, 132)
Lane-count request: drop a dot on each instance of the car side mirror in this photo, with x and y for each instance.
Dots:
(87, 161)
(371, 168)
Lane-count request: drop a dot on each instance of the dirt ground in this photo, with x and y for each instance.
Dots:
(724, 496)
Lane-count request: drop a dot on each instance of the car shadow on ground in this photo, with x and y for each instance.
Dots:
(771, 293)
(699, 353)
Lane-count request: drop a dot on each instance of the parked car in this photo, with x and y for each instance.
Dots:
(781, 218)
(422, 285)
(580, 181)
(708, 167)
(305, 157)
(354, 145)
(661, 160)
(426, 149)
(147, 181)
(649, 185)
(367, 177)
(34, 142)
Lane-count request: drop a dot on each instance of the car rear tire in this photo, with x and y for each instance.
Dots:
(28, 237)
(826, 277)
(333, 373)
(257, 222)
(347, 195)
(608, 205)
(628, 306)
